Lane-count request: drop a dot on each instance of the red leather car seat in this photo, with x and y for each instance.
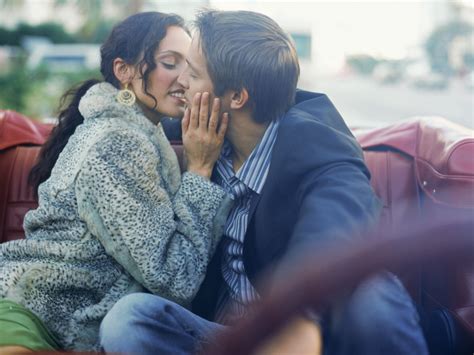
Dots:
(426, 166)
(20, 142)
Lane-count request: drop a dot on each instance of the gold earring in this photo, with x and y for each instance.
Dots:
(126, 97)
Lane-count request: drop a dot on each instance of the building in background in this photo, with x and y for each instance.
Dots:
(61, 57)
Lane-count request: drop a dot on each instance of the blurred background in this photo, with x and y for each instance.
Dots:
(379, 61)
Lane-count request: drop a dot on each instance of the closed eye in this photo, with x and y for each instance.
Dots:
(168, 65)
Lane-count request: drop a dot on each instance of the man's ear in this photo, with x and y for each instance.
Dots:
(123, 72)
(239, 99)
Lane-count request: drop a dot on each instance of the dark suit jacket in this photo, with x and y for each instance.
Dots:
(317, 193)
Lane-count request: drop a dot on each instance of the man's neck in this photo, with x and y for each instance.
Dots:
(244, 134)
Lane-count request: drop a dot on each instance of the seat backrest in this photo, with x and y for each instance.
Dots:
(16, 196)
(422, 165)
(20, 142)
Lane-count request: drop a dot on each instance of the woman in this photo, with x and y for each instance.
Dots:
(115, 215)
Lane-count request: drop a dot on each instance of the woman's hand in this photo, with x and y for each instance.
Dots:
(203, 136)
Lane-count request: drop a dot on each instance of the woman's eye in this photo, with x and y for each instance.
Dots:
(168, 65)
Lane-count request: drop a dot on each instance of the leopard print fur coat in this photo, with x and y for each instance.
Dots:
(115, 217)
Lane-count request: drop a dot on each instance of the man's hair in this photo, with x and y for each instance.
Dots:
(249, 50)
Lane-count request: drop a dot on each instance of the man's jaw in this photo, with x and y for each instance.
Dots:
(187, 100)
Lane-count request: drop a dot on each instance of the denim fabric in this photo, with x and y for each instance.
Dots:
(142, 323)
(377, 318)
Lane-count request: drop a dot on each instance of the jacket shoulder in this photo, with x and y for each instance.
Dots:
(314, 130)
(315, 110)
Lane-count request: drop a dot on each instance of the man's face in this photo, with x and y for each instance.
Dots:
(195, 77)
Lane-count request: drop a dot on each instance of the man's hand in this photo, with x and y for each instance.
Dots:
(203, 136)
(299, 337)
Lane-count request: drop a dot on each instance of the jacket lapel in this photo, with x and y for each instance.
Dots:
(253, 206)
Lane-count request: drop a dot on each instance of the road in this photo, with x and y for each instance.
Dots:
(364, 102)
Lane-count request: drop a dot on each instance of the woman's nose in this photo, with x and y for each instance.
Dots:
(182, 80)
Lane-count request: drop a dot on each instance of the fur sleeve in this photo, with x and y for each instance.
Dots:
(165, 242)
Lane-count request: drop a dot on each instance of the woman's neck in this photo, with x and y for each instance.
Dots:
(154, 116)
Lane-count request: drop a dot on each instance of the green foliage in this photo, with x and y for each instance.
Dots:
(36, 93)
(14, 87)
(438, 44)
(54, 31)
(9, 37)
(95, 32)
(90, 32)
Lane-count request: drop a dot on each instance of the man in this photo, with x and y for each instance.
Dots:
(299, 184)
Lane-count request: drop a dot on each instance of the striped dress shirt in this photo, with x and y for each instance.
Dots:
(237, 290)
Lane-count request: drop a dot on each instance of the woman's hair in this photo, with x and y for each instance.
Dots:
(135, 40)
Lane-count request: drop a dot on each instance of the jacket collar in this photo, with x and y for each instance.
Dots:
(100, 101)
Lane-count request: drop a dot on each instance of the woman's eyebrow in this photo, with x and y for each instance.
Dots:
(169, 52)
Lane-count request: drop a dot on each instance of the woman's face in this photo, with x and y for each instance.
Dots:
(162, 81)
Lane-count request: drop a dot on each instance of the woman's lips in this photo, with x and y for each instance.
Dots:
(178, 97)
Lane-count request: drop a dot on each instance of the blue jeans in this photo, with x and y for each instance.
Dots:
(378, 318)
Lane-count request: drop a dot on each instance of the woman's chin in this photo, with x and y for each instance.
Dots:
(176, 113)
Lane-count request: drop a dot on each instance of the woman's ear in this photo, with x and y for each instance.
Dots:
(123, 72)
(239, 99)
